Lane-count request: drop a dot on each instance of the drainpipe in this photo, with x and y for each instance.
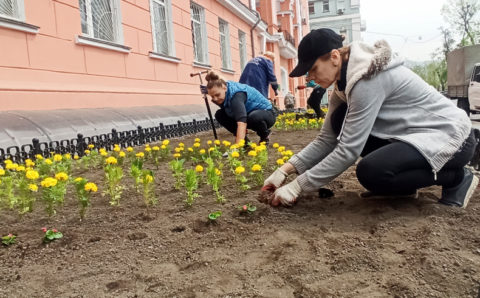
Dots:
(252, 39)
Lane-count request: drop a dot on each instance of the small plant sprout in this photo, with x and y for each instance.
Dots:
(136, 170)
(214, 178)
(212, 217)
(52, 194)
(27, 190)
(113, 177)
(191, 184)
(51, 235)
(9, 239)
(240, 178)
(176, 166)
(83, 189)
(247, 208)
(148, 188)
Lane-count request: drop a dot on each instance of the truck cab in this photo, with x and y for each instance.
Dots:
(474, 90)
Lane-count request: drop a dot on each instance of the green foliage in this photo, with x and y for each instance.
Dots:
(191, 184)
(464, 18)
(136, 172)
(214, 215)
(113, 177)
(434, 73)
(148, 188)
(247, 208)
(51, 235)
(9, 239)
(176, 166)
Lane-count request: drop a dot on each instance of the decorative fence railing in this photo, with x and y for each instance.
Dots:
(77, 146)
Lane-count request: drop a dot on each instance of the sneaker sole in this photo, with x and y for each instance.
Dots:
(470, 191)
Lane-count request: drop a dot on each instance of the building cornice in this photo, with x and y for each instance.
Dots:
(314, 20)
(244, 13)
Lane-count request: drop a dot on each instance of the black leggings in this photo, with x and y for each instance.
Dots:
(259, 121)
(398, 168)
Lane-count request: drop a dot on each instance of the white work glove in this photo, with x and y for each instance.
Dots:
(286, 195)
(275, 180)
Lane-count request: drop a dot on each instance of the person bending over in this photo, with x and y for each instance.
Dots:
(409, 135)
(258, 73)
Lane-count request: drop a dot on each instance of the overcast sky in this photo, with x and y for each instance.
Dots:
(409, 26)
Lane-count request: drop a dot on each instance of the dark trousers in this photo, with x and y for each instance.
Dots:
(314, 101)
(398, 168)
(259, 121)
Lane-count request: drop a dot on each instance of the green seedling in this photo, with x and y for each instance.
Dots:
(214, 215)
(9, 239)
(247, 208)
(51, 235)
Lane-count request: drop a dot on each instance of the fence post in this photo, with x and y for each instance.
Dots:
(141, 135)
(180, 129)
(81, 146)
(36, 146)
(163, 134)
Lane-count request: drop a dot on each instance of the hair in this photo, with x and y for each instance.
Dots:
(344, 53)
(269, 55)
(214, 80)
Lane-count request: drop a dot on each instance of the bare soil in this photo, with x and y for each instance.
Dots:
(343, 246)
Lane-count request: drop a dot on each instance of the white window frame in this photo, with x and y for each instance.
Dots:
(203, 32)
(117, 22)
(242, 48)
(225, 54)
(284, 78)
(167, 4)
(327, 4)
(311, 7)
(18, 11)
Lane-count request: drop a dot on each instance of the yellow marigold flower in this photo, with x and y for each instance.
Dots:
(163, 147)
(177, 155)
(121, 154)
(209, 142)
(29, 163)
(281, 149)
(116, 149)
(285, 158)
(226, 143)
(280, 162)
(252, 153)
(156, 148)
(234, 146)
(261, 148)
(102, 150)
(11, 166)
(218, 172)
(129, 149)
(32, 175)
(39, 157)
(199, 169)
(111, 161)
(181, 145)
(178, 150)
(202, 151)
(190, 149)
(140, 154)
(62, 176)
(275, 145)
(239, 170)
(289, 152)
(91, 146)
(91, 187)
(78, 179)
(87, 152)
(104, 153)
(235, 154)
(20, 169)
(2, 172)
(48, 161)
(48, 182)
(33, 187)
(253, 145)
(148, 179)
(165, 142)
(256, 168)
(197, 140)
(148, 149)
(196, 145)
(8, 161)
(263, 143)
(67, 156)
(211, 149)
(76, 157)
(217, 142)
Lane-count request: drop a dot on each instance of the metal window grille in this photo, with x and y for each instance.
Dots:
(161, 30)
(100, 19)
(311, 7)
(225, 44)
(199, 33)
(326, 5)
(9, 8)
(242, 46)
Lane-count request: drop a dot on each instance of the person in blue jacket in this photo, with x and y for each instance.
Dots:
(258, 73)
(241, 107)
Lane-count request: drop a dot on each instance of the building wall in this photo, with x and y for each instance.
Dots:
(50, 70)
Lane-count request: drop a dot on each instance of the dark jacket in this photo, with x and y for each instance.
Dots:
(258, 73)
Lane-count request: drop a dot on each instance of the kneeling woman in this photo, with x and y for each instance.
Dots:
(241, 107)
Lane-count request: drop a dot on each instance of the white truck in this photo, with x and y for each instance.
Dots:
(463, 77)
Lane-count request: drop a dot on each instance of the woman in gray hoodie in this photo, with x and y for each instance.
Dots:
(408, 135)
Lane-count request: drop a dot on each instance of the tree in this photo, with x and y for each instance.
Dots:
(463, 15)
(434, 73)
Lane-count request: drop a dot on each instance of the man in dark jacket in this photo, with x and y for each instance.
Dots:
(258, 73)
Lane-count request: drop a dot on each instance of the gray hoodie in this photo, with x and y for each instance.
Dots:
(387, 100)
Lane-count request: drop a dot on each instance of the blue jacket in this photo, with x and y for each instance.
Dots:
(255, 100)
(258, 73)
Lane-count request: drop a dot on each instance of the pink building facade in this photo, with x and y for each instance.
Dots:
(71, 54)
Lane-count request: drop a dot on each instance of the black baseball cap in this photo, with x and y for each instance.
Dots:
(313, 45)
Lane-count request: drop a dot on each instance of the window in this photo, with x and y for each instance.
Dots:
(284, 78)
(225, 44)
(326, 5)
(341, 5)
(162, 27)
(12, 9)
(354, 3)
(476, 74)
(101, 19)
(311, 8)
(199, 33)
(242, 47)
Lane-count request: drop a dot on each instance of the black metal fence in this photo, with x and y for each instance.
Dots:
(77, 146)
